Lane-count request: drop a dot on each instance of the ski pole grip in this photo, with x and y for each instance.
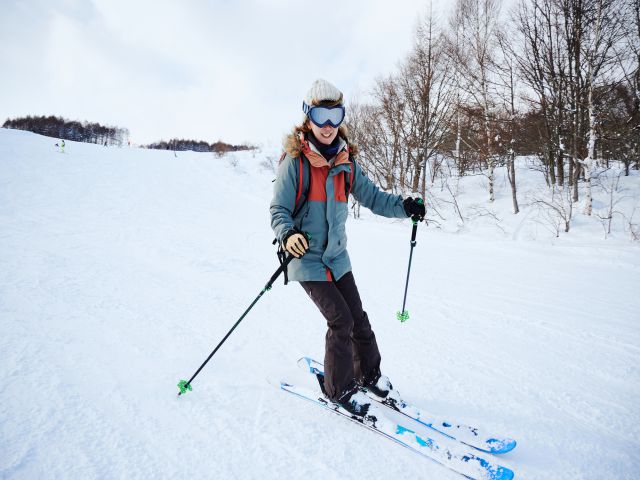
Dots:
(282, 267)
(417, 218)
(414, 231)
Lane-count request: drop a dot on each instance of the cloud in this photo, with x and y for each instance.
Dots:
(235, 71)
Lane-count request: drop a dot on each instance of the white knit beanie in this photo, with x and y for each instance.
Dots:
(322, 91)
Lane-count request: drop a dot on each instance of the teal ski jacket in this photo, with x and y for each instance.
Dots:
(325, 211)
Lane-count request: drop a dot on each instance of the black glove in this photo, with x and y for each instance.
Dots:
(414, 208)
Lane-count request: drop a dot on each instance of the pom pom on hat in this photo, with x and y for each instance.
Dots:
(322, 91)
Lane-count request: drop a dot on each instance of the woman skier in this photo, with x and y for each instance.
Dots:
(308, 214)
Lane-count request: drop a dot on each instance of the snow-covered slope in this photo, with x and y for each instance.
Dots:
(120, 270)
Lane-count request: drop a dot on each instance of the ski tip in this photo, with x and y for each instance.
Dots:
(313, 366)
(275, 382)
(284, 385)
(304, 361)
(501, 446)
(503, 473)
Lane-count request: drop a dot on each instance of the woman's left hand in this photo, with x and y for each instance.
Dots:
(414, 208)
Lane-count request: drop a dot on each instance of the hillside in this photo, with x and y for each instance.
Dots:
(120, 270)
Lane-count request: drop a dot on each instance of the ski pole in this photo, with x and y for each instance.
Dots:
(185, 385)
(403, 315)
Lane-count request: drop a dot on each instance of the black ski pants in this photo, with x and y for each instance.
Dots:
(351, 351)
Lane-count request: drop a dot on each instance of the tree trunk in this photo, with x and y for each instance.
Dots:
(490, 162)
(591, 152)
(550, 170)
(492, 196)
(576, 178)
(560, 168)
(511, 173)
(423, 186)
(571, 172)
(458, 143)
(415, 183)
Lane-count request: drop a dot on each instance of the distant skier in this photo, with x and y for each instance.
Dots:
(61, 146)
(319, 148)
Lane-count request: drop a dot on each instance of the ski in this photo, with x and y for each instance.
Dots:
(470, 436)
(453, 457)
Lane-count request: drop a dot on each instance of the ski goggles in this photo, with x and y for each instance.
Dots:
(323, 116)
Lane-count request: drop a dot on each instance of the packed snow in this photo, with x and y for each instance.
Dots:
(121, 269)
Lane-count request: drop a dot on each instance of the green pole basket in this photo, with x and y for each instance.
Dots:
(403, 316)
(184, 387)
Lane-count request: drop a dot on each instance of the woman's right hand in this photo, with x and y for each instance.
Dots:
(296, 244)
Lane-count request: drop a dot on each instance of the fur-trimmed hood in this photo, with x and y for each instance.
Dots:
(294, 146)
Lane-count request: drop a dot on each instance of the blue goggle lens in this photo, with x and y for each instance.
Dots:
(323, 116)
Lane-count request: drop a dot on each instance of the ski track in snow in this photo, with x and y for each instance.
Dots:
(123, 268)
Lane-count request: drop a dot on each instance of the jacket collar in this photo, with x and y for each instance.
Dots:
(317, 160)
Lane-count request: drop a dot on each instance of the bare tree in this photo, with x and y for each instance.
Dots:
(390, 117)
(557, 210)
(506, 69)
(543, 66)
(426, 83)
(628, 57)
(476, 23)
(611, 186)
(603, 30)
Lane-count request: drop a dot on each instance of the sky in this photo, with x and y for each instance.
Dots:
(235, 71)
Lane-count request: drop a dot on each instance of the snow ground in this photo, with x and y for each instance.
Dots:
(121, 269)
